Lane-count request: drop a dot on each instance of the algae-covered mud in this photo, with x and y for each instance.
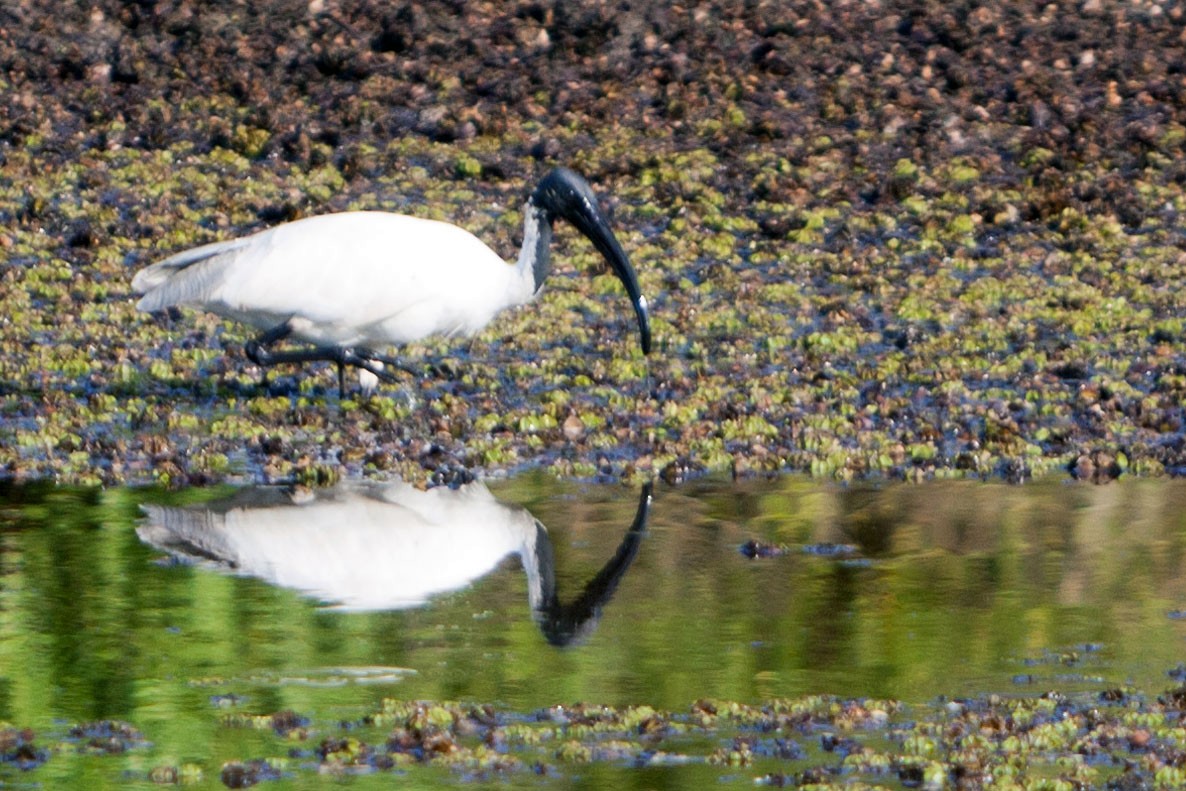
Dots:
(898, 239)
(945, 635)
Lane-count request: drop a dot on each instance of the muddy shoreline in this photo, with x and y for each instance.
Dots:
(896, 239)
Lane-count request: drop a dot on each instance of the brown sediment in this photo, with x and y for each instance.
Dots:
(893, 239)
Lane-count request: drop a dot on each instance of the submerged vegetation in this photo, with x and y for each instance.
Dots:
(1115, 739)
(880, 239)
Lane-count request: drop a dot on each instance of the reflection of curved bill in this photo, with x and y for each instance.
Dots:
(385, 546)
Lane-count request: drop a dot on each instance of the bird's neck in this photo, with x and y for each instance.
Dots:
(535, 257)
(540, 565)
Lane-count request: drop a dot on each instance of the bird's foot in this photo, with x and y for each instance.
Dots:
(257, 349)
(369, 362)
(372, 368)
(438, 370)
(258, 354)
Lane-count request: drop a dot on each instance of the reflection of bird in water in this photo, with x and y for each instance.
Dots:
(385, 546)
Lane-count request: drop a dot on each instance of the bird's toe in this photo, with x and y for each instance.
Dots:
(368, 380)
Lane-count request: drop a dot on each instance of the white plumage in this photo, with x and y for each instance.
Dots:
(349, 279)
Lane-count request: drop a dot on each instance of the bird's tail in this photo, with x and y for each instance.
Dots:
(181, 278)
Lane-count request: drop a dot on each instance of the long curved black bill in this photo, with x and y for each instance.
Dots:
(565, 194)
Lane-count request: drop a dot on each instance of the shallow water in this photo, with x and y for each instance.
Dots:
(914, 593)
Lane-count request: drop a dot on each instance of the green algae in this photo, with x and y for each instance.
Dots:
(878, 281)
(1021, 742)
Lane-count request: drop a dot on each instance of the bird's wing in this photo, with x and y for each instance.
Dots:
(351, 277)
(153, 277)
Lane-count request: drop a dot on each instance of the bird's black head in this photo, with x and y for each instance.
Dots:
(563, 193)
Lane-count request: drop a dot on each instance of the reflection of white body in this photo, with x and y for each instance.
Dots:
(361, 548)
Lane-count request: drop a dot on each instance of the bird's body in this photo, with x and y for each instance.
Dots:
(353, 281)
(394, 284)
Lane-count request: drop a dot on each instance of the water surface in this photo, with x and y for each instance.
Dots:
(913, 593)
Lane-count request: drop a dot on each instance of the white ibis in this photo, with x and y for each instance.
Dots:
(349, 282)
(370, 546)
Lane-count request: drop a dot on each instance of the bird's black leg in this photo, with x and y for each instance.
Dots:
(335, 354)
(360, 358)
(258, 352)
(437, 370)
